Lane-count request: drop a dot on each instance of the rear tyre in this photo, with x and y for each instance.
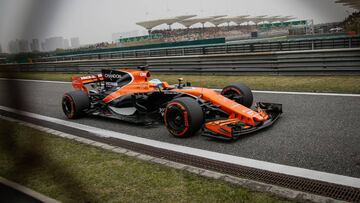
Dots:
(74, 103)
(183, 117)
(239, 93)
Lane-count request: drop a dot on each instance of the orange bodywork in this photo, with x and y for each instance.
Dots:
(140, 84)
(235, 110)
(238, 113)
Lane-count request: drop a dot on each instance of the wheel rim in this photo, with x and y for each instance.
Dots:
(176, 119)
(231, 93)
(67, 106)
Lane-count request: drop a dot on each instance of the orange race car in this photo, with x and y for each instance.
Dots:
(130, 95)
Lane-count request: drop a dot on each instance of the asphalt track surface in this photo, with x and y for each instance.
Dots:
(315, 132)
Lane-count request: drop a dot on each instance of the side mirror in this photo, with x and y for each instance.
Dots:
(180, 82)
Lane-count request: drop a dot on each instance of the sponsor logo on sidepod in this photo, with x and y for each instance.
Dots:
(113, 76)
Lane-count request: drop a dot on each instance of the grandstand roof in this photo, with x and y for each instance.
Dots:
(285, 18)
(189, 22)
(180, 18)
(279, 18)
(239, 19)
(219, 21)
(273, 18)
(256, 19)
(355, 4)
(153, 23)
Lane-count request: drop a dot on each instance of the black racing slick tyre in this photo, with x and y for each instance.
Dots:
(74, 103)
(183, 117)
(240, 93)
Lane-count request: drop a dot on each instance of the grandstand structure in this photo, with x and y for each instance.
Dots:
(219, 26)
(354, 4)
(149, 25)
(232, 27)
(189, 20)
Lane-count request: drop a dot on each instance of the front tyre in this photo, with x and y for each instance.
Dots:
(74, 103)
(239, 93)
(183, 117)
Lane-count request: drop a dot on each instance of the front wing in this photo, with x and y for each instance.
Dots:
(232, 129)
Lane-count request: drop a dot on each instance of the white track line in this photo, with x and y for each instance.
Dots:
(303, 93)
(277, 168)
(307, 93)
(255, 91)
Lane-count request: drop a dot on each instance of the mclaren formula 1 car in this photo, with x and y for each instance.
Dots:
(131, 96)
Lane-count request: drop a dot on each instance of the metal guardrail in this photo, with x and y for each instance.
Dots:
(289, 62)
(288, 45)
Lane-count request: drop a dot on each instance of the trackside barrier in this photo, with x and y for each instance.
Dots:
(289, 62)
(209, 49)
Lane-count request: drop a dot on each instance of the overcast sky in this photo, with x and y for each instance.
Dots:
(95, 20)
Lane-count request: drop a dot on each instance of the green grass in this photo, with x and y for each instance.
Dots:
(338, 84)
(73, 172)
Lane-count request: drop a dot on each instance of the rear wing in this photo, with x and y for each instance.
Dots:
(79, 82)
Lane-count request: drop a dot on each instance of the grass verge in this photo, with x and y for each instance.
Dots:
(73, 172)
(338, 84)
